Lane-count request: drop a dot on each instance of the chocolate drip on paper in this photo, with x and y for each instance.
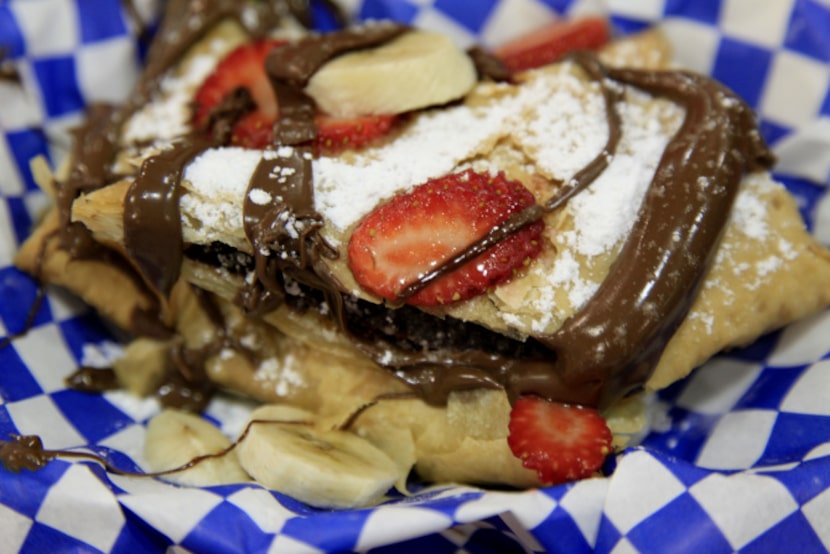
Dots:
(8, 69)
(92, 379)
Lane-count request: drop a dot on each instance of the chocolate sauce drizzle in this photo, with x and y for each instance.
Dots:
(152, 224)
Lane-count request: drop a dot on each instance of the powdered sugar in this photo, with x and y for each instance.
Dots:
(562, 124)
(750, 212)
(564, 276)
(167, 116)
(260, 197)
(216, 182)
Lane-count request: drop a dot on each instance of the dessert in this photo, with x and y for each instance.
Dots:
(478, 263)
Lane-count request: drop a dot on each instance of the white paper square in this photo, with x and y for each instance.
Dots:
(763, 23)
(7, 236)
(434, 20)
(641, 486)
(819, 451)
(81, 506)
(260, 506)
(513, 18)
(811, 393)
(738, 440)
(624, 546)
(137, 407)
(806, 153)
(529, 508)
(821, 223)
(584, 502)
(97, 63)
(19, 108)
(284, 544)
(14, 528)
(59, 129)
(803, 342)
(39, 416)
(717, 386)
(130, 442)
(816, 511)
(795, 89)
(11, 183)
(743, 506)
(49, 366)
(383, 526)
(53, 22)
(694, 45)
(648, 10)
(173, 511)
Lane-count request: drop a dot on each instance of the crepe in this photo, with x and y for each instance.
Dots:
(540, 130)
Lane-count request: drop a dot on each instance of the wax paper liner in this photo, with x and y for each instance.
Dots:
(739, 458)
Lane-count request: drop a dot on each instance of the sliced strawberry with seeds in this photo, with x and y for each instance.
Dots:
(243, 67)
(337, 134)
(561, 442)
(414, 233)
(552, 42)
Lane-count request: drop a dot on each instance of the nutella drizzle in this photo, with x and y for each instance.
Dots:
(601, 353)
(92, 379)
(152, 224)
(8, 68)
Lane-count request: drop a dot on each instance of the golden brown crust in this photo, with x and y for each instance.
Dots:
(114, 292)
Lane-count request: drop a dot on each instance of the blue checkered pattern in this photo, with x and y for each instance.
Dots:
(739, 458)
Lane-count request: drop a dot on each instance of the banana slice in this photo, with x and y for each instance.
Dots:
(415, 70)
(174, 438)
(321, 467)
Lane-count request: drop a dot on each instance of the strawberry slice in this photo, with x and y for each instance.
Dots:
(416, 232)
(242, 68)
(337, 134)
(552, 42)
(561, 442)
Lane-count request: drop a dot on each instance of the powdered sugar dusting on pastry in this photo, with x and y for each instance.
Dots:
(600, 217)
(215, 184)
(563, 126)
(605, 213)
(168, 116)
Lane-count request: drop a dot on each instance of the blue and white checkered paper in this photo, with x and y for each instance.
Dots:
(739, 457)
